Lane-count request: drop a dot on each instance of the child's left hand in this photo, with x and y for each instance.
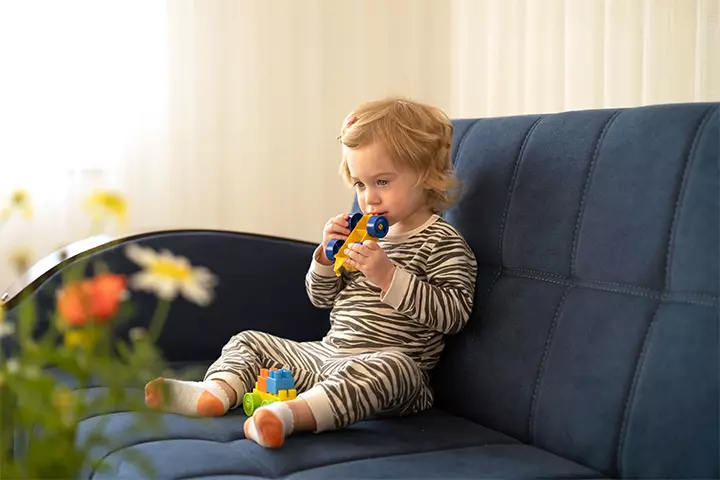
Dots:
(372, 261)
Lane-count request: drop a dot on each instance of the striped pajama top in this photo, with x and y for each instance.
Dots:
(431, 295)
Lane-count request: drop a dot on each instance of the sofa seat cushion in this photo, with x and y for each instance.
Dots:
(431, 444)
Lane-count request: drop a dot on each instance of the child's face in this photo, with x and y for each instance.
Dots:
(385, 189)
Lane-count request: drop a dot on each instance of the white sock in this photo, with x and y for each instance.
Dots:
(270, 425)
(204, 399)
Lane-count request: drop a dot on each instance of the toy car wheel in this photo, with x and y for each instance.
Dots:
(354, 220)
(250, 403)
(265, 403)
(378, 226)
(332, 248)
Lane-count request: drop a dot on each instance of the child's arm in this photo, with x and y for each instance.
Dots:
(445, 300)
(321, 283)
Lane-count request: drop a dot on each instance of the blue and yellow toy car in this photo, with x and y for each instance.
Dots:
(362, 227)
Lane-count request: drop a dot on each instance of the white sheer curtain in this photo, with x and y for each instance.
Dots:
(528, 56)
(83, 89)
(224, 113)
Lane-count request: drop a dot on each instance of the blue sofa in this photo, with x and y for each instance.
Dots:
(592, 351)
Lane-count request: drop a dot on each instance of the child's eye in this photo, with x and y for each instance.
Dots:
(359, 185)
(382, 183)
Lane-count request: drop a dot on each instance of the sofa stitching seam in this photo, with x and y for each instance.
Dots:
(497, 276)
(690, 160)
(586, 189)
(405, 454)
(120, 448)
(700, 299)
(627, 286)
(633, 389)
(543, 363)
(511, 186)
(461, 143)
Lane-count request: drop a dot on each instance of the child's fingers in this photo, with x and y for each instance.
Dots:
(332, 227)
(359, 264)
(355, 252)
(341, 219)
(340, 224)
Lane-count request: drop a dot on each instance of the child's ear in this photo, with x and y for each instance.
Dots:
(430, 198)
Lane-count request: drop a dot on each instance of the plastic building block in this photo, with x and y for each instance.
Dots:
(363, 227)
(279, 380)
(273, 385)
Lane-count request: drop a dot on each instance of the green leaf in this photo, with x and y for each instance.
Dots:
(27, 318)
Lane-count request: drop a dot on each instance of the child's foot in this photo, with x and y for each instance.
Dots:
(200, 399)
(270, 425)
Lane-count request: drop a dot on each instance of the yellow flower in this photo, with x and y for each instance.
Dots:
(19, 201)
(79, 339)
(168, 275)
(63, 398)
(64, 402)
(106, 204)
(20, 259)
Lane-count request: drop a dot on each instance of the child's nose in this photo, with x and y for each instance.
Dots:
(371, 197)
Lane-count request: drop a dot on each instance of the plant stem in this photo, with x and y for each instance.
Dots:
(158, 319)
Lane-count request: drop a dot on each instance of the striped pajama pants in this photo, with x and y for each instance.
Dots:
(357, 387)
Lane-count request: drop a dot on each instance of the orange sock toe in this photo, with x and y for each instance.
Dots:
(270, 424)
(269, 428)
(153, 393)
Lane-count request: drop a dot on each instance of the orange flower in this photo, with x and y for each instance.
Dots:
(95, 299)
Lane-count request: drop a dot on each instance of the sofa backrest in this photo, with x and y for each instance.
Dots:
(595, 328)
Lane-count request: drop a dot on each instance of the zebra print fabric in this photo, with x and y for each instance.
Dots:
(377, 356)
(356, 386)
(431, 295)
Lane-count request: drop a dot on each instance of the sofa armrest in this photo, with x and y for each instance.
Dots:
(260, 287)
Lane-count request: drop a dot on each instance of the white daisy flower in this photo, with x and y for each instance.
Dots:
(168, 275)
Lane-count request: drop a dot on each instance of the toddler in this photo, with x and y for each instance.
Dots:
(388, 317)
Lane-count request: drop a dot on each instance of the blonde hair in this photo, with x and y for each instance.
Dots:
(413, 134)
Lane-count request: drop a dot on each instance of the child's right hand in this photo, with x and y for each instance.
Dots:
(336, 227)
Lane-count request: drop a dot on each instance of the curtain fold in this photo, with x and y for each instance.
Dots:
(529, 56)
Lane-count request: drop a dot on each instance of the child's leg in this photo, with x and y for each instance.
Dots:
(235, 372)
(356, 388)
